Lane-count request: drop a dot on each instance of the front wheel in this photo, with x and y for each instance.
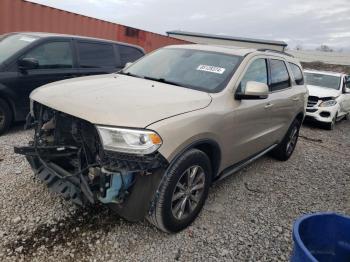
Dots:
(286, 148)
(183, 192)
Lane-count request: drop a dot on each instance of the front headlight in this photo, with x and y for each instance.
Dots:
(328, 103)
(131, 141)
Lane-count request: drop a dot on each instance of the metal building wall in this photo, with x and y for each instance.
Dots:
(20, 15)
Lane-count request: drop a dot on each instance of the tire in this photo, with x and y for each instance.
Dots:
(5, 116)
(172, 211)
(331, 125)
(286, 148)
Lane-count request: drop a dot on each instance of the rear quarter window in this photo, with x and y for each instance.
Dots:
(297, 73)
(129, 54)
(96, 55)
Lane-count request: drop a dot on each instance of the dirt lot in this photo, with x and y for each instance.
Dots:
(326, 67)
(248, 216)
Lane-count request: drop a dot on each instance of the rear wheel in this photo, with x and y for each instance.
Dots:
(286, 148)
(5, 116)
(183, 193)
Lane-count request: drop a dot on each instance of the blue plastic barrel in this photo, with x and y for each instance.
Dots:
(323, 237)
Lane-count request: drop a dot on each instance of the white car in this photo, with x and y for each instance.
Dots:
(329, 96)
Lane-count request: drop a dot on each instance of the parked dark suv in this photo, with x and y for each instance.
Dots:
(30, 60)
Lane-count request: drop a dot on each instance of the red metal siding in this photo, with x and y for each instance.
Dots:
(20, 15)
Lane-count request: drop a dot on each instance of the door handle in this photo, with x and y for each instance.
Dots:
(296, 99)
(268, 105)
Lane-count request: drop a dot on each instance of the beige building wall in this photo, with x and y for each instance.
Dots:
(214, 41)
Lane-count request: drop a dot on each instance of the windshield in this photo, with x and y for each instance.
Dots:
(10, 44)
(200, 70)
(321, 80)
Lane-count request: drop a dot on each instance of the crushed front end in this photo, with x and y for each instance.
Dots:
(67, 154)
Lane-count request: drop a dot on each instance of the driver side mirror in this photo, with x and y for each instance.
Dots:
(253, 90)
(28, 63)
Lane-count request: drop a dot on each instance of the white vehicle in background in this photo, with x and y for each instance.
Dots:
(329, 96)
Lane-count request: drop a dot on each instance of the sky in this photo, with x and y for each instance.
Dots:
(305, 23)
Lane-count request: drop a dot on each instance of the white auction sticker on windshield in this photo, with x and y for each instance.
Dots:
(212, 69)
(27, 39)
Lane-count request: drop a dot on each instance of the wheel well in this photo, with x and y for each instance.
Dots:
(10, 105)
(212, 150)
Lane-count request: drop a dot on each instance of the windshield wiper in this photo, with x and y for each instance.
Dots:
(163, 80)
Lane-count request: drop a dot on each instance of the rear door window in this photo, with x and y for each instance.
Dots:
(52, 55)
(279, 75)
(96, 55)
(129, 54)
(297, 73)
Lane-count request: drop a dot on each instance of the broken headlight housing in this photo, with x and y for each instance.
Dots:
(328, 103)
(132, 141)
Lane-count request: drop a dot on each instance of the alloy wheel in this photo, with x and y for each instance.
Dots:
(293, 137)
(188, 192)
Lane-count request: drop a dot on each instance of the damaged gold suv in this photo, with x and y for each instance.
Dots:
(150, 139)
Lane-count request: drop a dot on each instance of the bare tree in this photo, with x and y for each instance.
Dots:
(324, 48)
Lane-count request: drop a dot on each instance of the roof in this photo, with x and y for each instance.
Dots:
(330, 73)
(223, 37)
(45, 35)
(234, 50)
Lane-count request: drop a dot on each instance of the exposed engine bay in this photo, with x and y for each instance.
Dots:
(68, 156)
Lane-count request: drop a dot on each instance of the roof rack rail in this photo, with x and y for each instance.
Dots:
(274, 51)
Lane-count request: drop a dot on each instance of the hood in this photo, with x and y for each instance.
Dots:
(119, 100)
(322, 91)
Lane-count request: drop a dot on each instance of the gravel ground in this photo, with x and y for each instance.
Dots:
(248, 216)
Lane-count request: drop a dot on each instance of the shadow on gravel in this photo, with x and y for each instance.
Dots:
(319, 125)
(73, 231)
(314, 124)
(16, 127)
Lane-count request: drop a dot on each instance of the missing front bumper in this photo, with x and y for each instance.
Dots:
(67, 156)
(133, 203)
(70, 186)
